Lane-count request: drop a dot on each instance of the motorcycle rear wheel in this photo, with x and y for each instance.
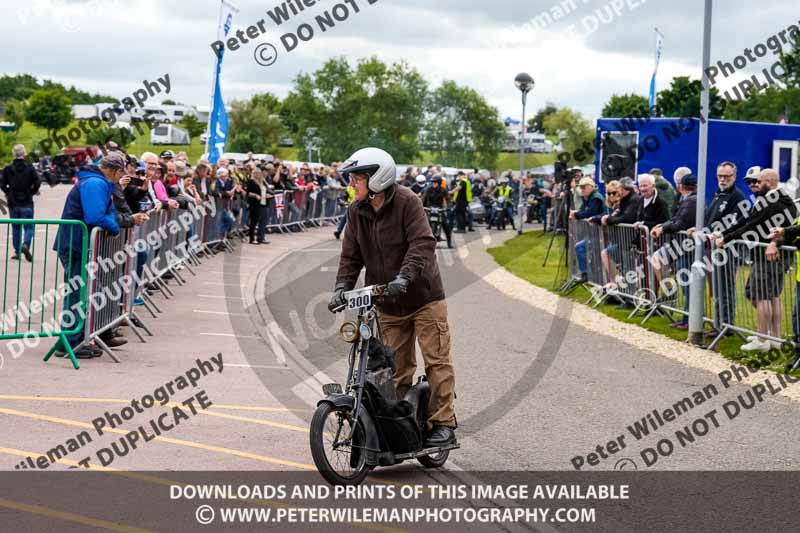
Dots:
(434, 460)
(336, 465)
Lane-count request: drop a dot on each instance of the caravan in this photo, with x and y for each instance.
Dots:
(169, 134)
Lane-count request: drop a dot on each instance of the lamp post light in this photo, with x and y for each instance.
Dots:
(525, 84)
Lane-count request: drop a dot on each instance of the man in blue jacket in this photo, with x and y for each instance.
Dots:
(90, 201)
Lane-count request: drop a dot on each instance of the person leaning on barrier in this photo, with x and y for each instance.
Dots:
(764, 286)
(591, 205)
(682, 220)
(789, 237)
(626, 212)
(20, 183)
(90, 201)
(724, 211)
(680, 172)
(652, 208)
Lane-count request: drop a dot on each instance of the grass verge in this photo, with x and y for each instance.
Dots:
(524, 257)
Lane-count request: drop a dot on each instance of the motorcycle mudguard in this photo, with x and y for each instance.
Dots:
(372, 445)
(418, 396)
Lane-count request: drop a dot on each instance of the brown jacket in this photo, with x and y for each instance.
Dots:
(397, 239)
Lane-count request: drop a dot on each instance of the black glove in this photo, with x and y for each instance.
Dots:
(398, 286)
(338, 299)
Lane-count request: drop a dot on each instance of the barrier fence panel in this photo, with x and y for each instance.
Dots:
(671, 260)
(753, 294)
(589, 244)
(624, 261)
(36, 292)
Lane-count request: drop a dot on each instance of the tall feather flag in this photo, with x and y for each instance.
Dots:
(659, 43)
(218, 126)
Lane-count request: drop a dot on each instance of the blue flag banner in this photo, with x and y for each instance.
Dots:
(659, 43)
(218, 128)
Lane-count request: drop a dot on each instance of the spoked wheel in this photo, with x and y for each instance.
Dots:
(434, 460)
(344, 464)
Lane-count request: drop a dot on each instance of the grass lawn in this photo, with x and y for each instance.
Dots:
(523, 256)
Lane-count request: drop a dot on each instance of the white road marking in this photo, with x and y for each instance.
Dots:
(219, 297)
(273, 367)
(231, 335)
(218, 313)
(224, 284)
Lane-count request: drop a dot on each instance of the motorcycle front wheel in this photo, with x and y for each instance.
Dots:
(342, 464)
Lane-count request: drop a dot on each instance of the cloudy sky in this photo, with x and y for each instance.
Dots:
(578, 60)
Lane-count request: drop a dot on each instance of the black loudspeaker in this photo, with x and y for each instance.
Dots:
(619, 155)
(560, 173)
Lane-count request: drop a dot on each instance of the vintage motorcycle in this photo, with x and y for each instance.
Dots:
(435, 220)
(365, 425)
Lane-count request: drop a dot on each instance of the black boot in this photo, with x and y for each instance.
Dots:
(440, 436)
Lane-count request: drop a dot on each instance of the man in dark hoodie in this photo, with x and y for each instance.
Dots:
(773, 208)
(90, 201)
(20, 183)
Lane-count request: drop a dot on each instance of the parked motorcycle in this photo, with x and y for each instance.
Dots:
(365, 425)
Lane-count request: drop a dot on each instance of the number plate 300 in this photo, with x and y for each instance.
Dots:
(359, 299)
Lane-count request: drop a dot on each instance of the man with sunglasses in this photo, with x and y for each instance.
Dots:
(724, 213)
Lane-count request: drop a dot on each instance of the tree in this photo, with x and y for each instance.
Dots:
(537, 122)
(682, 99)
(255, 125)
(371, 104)
(5, 150)
(119, 135)
(15, 112)
(463, 128)
(168, 101)
(193, 125)
(578, 134)
(626, 105)
(50, 109)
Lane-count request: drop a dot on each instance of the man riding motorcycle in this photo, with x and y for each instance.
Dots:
(419, 186)
(436, 196)
(389, 235)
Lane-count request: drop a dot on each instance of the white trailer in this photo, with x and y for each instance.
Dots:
(169, 134)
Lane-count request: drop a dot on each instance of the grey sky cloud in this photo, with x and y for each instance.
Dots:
(110, 46)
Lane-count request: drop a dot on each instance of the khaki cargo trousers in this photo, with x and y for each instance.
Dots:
(429, 326)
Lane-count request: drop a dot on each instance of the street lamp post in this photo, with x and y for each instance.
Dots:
(524, 83)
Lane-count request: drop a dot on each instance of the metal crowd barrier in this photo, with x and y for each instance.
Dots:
(34, 292)
(625, 261)
(672, 258)
(655, 274)
(748, 287)
(111, 286)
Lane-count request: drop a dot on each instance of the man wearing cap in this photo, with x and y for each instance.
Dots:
(683, 219)
(89, 201)
(680, 172)
(751, 179)
(166, 156)
(592, 205)
(664, 187)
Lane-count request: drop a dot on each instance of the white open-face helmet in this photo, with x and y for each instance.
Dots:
(421, 179)
(374, 162)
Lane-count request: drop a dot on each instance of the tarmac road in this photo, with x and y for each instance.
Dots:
(535, 391)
